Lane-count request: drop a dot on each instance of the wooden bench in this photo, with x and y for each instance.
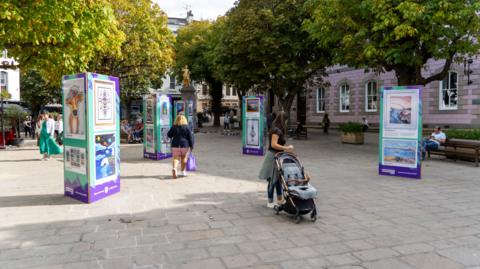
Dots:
(459, 149)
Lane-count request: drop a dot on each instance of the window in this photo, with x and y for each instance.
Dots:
(344, 98)
(3, 81)
(234, 91)
(449, 92)
(204, 89)
(172, 82)
(320, 100)
(371, 94)
(227, 91)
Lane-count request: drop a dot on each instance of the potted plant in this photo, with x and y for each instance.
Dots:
(351, 133)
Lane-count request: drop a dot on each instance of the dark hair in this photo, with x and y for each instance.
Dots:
(279, 122)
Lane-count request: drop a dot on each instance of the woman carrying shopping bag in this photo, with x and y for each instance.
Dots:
(182, 144)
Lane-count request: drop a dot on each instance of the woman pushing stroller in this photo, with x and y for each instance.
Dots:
(277, 143)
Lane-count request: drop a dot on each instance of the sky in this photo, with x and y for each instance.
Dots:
(202, 9)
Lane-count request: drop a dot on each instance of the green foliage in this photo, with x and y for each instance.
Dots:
(36, 92)
(351, 127)
(263, 45)
(57, 37)
(146, 53)
(15, 112)
(398, 36)
(473, 134)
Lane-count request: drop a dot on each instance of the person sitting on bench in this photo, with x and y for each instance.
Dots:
(434, 141)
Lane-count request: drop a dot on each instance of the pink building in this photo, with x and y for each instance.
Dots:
(353, 93)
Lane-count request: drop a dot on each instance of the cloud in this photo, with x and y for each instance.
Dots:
(202, 9)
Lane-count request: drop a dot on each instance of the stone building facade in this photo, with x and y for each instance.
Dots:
(351, 94)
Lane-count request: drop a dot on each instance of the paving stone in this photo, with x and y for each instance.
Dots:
(386, 263)
(273, 256)
(193, 227)
(463, 255)
(243, 260)
(413, 248)
(203, 264)
(295, 264)
(318, 263)
(223, 250)
(375, 254)
(430, 260)
(331, 248)
(302, 252)
(250, 247)
(357, 245)
(342, 259)
(187, 255)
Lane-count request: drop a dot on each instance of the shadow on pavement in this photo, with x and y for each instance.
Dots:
(36, 200)
(24, 160)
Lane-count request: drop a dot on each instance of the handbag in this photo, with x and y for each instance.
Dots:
(191, 163)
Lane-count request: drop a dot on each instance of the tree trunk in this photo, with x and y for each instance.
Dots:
(217, 94)
(240, 95)
(286, 104)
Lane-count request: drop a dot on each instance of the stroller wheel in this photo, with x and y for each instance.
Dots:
(276, 209)
(313, 218)
(298, 218)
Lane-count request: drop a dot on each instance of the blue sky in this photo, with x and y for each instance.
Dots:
(202, 9)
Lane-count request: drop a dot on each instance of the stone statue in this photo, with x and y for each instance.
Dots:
(186, 77)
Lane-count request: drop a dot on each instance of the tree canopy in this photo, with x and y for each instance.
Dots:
(264, 45)
(37, 92)
(57, 37)
(146, 53)
(398, 36)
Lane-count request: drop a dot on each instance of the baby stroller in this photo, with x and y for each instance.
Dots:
(298, 194)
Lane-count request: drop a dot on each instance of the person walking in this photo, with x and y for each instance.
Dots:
(38, 127)
(277, 139)
(47, 144)
(326, 123)
(226, 121)
(365, 124)
(59, 130)
(27, 125)
(182, 144)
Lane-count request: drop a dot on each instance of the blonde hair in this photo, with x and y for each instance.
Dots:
(181, 120)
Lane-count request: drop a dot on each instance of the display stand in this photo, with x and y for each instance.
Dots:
(91, 118)
(158, 121)
(253, 125)
(400, 143)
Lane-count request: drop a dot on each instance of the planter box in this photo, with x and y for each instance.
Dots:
(352, 138)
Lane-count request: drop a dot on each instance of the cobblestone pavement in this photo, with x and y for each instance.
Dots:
(216, 218)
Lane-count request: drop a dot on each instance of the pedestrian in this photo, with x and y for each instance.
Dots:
(365, 124)
(226, 121)
(59, 130)
(38, 127)
(47, 144)
(277, 139)
(182, 144)
(326, 123)
(27, 126)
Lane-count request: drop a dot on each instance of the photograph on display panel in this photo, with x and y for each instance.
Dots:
(253, 105)
(400, 152)
(165, 139)
(253, 135)
(104, 102)
(401, 111)
(150, 110)
(165, 112)
(105, 164)
(74, 108)
(180, 107)
(149, 139)
(75, 160)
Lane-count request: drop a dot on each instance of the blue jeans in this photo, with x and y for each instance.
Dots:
(428, 145)
(276, 186)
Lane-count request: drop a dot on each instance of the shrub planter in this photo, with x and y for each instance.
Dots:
(352, 138)
(352, 133)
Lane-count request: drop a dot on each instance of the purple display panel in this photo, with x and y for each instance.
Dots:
(400, 146)
(74, 189)
(253, 133)
(103, 190)
(156, 156)
(253, 151)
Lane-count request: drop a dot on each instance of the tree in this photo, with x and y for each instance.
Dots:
(57, 37)
(193, 47)
(145, 55)
(399, 36)
(16, 115)
(37, 92)
(264, 46)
